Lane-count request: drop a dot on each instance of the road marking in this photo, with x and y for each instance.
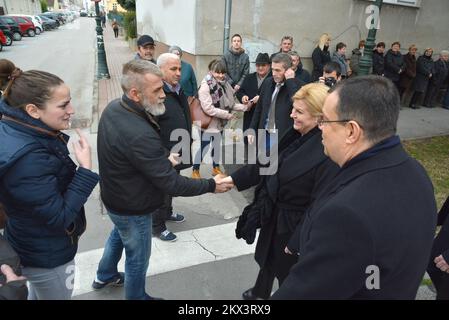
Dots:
(192, 248)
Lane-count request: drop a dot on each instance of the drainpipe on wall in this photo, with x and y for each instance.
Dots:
(227, 25)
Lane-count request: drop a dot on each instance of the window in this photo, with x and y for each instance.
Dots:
(407, 3)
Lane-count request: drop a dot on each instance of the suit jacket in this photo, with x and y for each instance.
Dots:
(379, 211)
(249, 88)
(283, 106)
(176, 116)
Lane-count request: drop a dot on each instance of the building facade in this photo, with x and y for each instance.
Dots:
(20, 6)
(197, 25)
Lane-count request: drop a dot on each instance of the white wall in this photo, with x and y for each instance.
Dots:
(172, 22)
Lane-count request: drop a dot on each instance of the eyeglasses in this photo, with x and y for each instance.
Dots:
(320, 121)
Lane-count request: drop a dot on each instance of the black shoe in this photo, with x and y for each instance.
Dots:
(117, 281)
(248, 295)
(414, 106)
(445, 107)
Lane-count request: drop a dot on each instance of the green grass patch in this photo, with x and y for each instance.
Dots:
(433, 154)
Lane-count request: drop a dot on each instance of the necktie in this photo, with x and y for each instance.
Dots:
(271, 124)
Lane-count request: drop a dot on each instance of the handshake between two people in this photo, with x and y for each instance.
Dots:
(223, 183)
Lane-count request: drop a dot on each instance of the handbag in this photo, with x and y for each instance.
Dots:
(198, 115)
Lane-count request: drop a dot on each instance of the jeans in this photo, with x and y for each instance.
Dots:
(133, 233)
(50, 284)
(206, 139)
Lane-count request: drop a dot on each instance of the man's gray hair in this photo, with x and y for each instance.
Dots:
(283, 58)
(373, 102)
(133, 72)
(165, 57)
(444, 53)
(293, 53)
(175, 48)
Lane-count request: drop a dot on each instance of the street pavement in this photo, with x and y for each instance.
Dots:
(207, 261)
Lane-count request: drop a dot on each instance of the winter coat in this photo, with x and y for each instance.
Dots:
(424, 66)
(176, 116)
(378, 63)
(237, 66)
(407, 77)
(302, 75)
(41, 189)
(283, 107)
(136, 174)
(249, 88)
(188, 80)
(376, 217)
(319, 59)
(440, 72)
(355, 60)
(393, 63)
(341, 60)
(220, 116)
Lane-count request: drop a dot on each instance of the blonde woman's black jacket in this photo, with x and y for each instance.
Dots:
(134, 168)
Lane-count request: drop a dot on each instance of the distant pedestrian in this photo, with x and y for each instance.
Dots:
(320, 56)
(285, 47)
(394, 64)
(103, 20)
(424, 67)
(188, 79)
(378, 59)
(339, 57)
(115, 27)
(439, 74)
(407, 77)
(145, 48)
(357, 54)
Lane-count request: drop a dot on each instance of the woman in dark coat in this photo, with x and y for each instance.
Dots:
(394, 64)
(281, 199)
(407, 77)
(438, 268)
(424, 66)
(378, 59)
(321, 56)
(42, 190)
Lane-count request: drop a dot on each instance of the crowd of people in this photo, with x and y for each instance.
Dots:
(347, 214)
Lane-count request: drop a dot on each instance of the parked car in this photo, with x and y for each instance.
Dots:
(8, 34)
(54, 16)
(26, 26)
(15, 29)
(2, 40)
(83, 13)
(48, 24)
(34, 20)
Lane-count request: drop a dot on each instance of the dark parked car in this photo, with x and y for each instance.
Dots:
(15, 29)
(49, 24)
(26, 25)
(54, 16)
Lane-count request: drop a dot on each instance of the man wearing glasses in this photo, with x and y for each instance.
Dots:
(369, 233)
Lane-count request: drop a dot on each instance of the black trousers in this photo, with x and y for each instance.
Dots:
(277, 267)
(432, 92)
(416, 97)
(161, 215)
(116, 33)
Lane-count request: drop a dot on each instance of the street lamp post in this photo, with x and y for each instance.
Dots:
(103, 71)
(367, 60)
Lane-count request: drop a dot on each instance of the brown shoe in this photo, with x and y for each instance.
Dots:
(196, 174)
(217, 170)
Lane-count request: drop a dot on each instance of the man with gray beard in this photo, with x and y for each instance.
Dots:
(137, 173)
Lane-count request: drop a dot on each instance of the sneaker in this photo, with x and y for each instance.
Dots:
(176, 217)
(217, 170)
(117, 281)
(196, 174)
(168, 236)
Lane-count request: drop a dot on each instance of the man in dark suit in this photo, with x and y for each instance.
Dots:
(176, 117)
(249, 91)
(438, 268)
(275, 100)
(369, 233)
